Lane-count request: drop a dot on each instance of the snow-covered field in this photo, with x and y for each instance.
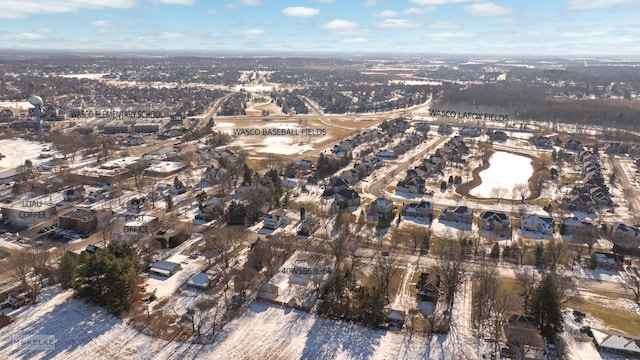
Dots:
(505, 171)
(265, 331)
(92, 76)
(18, 150)
(24, 105)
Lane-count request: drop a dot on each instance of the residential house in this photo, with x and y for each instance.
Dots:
(213, 171)
(499, 135)
(413, 185)
(445, 129)
(423, 126)
(336, 184)
(540, 224)
(543, 142)
(347, 198)
(497, 222)
(136, 205)
(395, 319)
(575, 226)
(601, 196)
(381, 208)
(385, 154)
(634, 151)
(612, 343)
(5, 320)
(74, 194)
(573, 145)
(308, 226)
(581, 202)
(523, 337)
(609, 261)
(306, 164)
(460, 214)
(199, 281)
(470, 132)
(164, 268)
(626, 232)
(423, 209)
(616, 148)
(428, 286)
(401, 125)
(275, 219)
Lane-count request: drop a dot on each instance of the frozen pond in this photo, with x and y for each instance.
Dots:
(505, 170)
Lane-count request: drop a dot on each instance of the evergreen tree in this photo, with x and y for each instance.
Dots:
(495, 251)
(539, 253)
(546, 306)
(109, 278)
(169, 200)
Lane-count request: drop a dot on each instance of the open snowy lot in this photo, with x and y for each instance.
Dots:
(268, 331)
(18, 150)
(505, 171)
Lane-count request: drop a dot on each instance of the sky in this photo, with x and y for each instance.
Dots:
(496, 27)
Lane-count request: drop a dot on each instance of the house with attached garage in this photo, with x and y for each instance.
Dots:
(539, 224)
(460, 214)
(423, 209)
(497, 222)
(347, 198)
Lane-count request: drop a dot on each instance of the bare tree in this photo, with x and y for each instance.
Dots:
(499, 193)
(484, 294)
(29, 266)
(453, 271)
(556, 251)
(585, 236)
(527, 280)
(384, 271)
(521, 190)
(519, 250)
(632, 283)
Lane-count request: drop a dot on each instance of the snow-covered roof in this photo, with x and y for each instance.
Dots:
(199, 280)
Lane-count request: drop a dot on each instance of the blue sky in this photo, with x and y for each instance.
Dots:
(496, 27)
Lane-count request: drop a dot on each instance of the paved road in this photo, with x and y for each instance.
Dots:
(377, 187)
(629, 192)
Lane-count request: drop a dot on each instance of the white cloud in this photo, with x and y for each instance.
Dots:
(251, 2)
(171, 36)
(370, 3)
(398, 24)
(418, 11)
(578, 35)
(21, 36)
(486, 9)
(100, 23)
(444, 25)
(438, 2)
(300, 11)
(357, 40)
(326, 1)
(597, 4)
(16, 9)
(341, 26)
(249, 33)
(386, 14)
(449, 36)
(212, 11)
(177, 2)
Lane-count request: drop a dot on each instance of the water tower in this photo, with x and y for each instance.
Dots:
(36, 101)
